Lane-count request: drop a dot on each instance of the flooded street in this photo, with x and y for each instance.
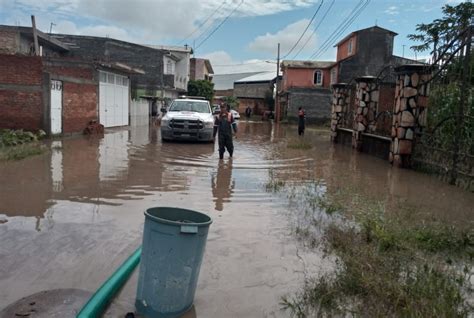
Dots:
(69, 217)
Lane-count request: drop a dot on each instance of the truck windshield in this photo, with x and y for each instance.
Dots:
(190, 106)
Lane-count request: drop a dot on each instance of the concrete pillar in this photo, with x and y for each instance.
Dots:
(409, 112)
(366, 101)
(341, 95)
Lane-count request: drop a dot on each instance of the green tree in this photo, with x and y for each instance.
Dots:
(442, 36)
(201, 88)
(231, 101)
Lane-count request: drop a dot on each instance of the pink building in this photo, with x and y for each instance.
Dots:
(306, 74)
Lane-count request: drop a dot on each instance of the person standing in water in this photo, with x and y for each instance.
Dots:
(225, 125)
(301, 121)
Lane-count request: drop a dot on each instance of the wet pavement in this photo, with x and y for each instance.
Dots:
(69, 217)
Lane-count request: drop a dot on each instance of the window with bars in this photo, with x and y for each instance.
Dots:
(318, 78)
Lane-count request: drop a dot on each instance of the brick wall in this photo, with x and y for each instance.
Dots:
(21, 110)
(8, 42)
(252, 90)
(23, 70)
(79, 106)
(315, 102)
(80, 100)
(21, 93)
(21, 97)
(86, 72)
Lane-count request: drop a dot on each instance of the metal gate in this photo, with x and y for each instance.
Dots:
(114, 100)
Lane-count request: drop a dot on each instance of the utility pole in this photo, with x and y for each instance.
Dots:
(403, 54)
(51, 27)
(277, 101)
(35, 35)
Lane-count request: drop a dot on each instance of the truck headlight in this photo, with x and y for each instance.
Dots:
(209, 124)
(165, 121)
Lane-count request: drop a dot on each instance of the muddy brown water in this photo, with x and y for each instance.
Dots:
(69, 217)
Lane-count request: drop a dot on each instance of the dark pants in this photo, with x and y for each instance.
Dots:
(225, 142)
(301, 127)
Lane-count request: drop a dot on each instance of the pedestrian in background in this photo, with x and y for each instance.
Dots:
(301, 121)
(225, 125)
(248, 112)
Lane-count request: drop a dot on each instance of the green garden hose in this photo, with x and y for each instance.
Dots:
(102, 297)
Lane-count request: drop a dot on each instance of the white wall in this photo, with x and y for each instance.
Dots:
(139, 112)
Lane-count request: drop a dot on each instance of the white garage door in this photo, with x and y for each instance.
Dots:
(114, 101)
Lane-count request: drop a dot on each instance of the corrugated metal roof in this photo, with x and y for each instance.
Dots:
(307, 64)
(226, 81)
(261, 77)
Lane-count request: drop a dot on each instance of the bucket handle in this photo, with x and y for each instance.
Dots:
(189, 229)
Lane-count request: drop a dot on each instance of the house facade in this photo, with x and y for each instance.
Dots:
(366, 52)
(166, 69)
(200, 69)
(255, 91)
(306, 84)
(52, 91)
(224, 84)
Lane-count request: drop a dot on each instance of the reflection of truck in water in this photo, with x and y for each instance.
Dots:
(188, 119)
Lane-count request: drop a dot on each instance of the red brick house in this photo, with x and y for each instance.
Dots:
(52, 92)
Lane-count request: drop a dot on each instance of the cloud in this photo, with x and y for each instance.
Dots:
(287, 37)
(150, 20)
(223, 63)
(393, 10)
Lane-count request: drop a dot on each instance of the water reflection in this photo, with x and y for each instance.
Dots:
(113, 155)
(57, 165)
(222, 184)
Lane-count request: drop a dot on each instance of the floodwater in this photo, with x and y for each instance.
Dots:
(69, 217)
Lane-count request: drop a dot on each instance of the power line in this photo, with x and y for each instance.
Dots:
(220, 24)
(314, 30)
(341, 28)
(338, 28)
(306, 29)
(203, 23)
(345, 27)
(207, 29)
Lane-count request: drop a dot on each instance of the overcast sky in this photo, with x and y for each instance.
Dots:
(249, 31)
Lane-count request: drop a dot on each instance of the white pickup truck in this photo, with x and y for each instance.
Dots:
(188, 119)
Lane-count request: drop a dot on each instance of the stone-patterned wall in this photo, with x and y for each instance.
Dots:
(366, 101)
(409, 114)
(341, 97)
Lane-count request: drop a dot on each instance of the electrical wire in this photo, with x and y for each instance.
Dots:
(202, 23)
(306, 29)
(218, 26)
(314, 30)
(337, 30)
(342, 30)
